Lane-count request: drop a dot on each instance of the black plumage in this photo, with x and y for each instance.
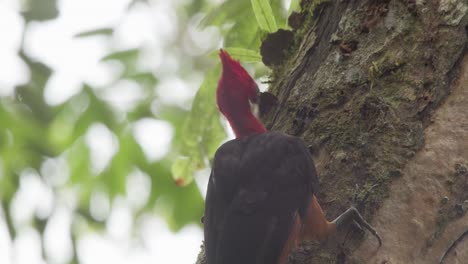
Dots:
(257, 185)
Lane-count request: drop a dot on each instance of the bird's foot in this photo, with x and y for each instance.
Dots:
(351, 216)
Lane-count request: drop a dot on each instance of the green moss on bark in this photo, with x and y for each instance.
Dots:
(364, 111)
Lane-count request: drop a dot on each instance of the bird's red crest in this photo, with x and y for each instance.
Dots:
(227, 61)
(235, 89)
(233, 69)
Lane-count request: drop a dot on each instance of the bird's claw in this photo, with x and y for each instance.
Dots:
(352, 215)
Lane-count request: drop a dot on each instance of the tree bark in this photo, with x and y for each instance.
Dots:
(379, 89)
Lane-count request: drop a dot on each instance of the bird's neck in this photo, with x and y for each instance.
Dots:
(245, 124)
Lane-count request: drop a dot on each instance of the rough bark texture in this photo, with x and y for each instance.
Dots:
(379, 89)
(426, 208)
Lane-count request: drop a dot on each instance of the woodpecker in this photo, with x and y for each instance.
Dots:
(261, 200)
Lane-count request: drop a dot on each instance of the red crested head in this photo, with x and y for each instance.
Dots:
(236, 91)
(236, 79)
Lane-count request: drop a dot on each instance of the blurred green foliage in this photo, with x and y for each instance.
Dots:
(31, 131)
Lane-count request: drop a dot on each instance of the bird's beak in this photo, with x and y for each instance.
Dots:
(254, 108)
(254, 104)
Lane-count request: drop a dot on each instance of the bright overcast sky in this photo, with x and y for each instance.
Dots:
(74, 61)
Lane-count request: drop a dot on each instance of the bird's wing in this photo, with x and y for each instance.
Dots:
(257, 186)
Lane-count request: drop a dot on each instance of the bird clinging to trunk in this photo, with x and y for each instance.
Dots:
(260, 202)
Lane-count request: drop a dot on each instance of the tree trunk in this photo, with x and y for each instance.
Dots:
(379, 89)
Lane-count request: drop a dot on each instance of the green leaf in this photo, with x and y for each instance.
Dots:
(124, 55)
(60, 131)
(225, 13)
(294, 6)
(146, 79)
(214, 135)
(176, 116)
(28, 134)
(31, 93)
(245, 55)
(203, 107)
(79, 162)
(96, 111)
(244, 33)
(178, 205)
(202, 132)
(40, 10)
(228, 12)
(182, 170)
(264, 15)
(95, 32)
(181, 214)
(129, 155)
(128, 58)
(141, 110)
(9, 180)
